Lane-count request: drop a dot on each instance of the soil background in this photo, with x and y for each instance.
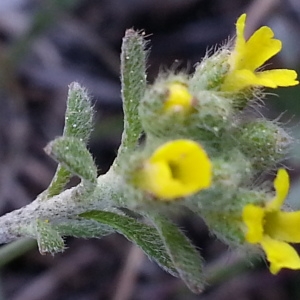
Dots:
(46, 45)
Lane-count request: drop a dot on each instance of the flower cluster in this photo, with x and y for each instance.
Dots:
(195, 142)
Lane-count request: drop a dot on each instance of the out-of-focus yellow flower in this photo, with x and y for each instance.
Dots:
(273, 229)
(248, 56)
(179, 98)
(176, 169)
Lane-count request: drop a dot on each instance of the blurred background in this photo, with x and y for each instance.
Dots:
(47, 44)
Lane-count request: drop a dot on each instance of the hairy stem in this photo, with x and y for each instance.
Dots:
(68, 204)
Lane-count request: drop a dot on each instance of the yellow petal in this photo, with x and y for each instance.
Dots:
(153, 175)
(188, 161)
(247, 57)
(240, 79)
(280, 255)
(239, 47)
(277, 77)
(253, 218)
(176, 169)
(259, 48)
(179, 98)
(283, 226)
(157, 179)
(281, 185)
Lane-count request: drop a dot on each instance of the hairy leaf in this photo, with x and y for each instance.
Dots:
(49, 240)
(185, 257)
(144, 236)
(133, 81)
(78, 124)
(82, 228)
(74, 156)
(79, 114)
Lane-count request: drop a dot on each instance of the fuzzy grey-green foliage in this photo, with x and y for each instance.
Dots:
(73, 155)
(238, 150)
(78, 124)
(133, 86)
(81, 228)
(79, 114)
(141, 234)
(48, 239)
(264, 142)
(185, 257)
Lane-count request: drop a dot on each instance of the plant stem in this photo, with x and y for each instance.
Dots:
(15, 249)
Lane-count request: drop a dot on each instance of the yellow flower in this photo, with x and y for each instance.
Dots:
(273, 228)
(248, 56)
(176, 169)
(179, 98)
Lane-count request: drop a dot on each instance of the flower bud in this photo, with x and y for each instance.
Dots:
(210, 73)
(166, 107)
(232, 170)
(213, 115)
(170, 110)
(264, 143)
(179, 99)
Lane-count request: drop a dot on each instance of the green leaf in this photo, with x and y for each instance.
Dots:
(78, 124)
(74, 156)
(133, 81)
(144, 236)
(82, 228)
(185, 257)
(48, 239)
(79, 113)
(59, 181)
